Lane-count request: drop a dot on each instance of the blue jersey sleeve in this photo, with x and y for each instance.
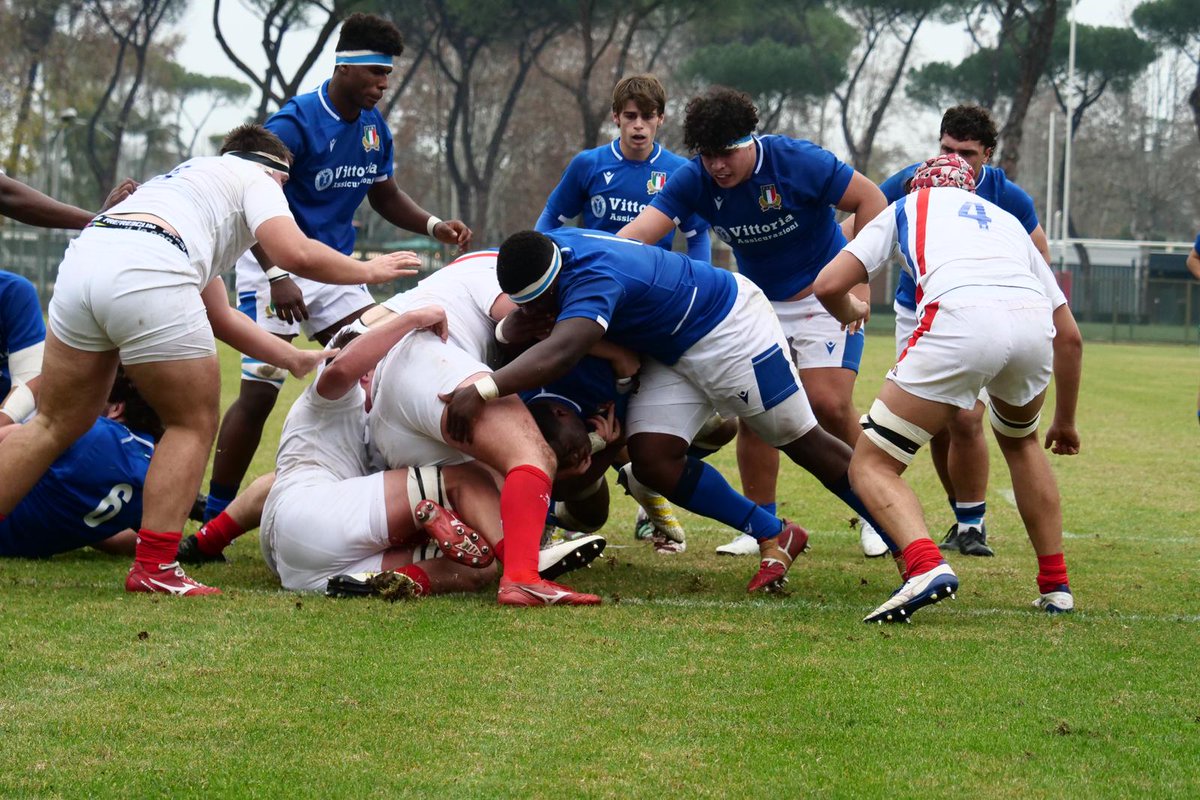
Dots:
(894, 187)
(594, 296)
(1196, 246)
(566, 201)
(699, 246)
(21, 322)
(284, 125)
(387, 159)
(1017, 202)
(678, 198)
(811, 175)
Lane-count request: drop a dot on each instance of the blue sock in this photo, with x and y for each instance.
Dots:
(219, 496)
(970, 515)
(841, 487)
(769, 508)
(702, 490)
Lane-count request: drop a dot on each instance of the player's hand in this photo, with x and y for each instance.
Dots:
(303, 362)
(288, 301)
(429, 318)
(119, 193)
(463, 407)
(606, 425)
(1062, 439)
(454, 232)
(523, 326)
(861, 313)
(390, 266)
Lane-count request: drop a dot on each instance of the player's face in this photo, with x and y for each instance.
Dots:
(637, 130)
(970, 150)
(366, 85)
(730, 167)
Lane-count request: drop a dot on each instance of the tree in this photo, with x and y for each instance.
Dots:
(35, 19)
(1175, 24)
(795, 54)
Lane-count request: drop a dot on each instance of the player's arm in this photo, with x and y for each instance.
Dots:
(361, 355)
(1062, 437)
(1038, 237)
(239, 332)
(625, 363)
(544, 362)
(26, 204)
(863, 199)
(566, 200)
(285, 294)
(286, 245)
(648, 227)
(1193, 263)
(699, 245)
(832, 288)
(402, 211)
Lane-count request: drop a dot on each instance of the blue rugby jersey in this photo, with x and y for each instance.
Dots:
(780, 221)
(994, 186)
(335, 163)
(21, 323)
(651, 300)
(610, 190)
(91, 492)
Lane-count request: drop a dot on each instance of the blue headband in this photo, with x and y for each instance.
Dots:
(362, 58)
(542, 283)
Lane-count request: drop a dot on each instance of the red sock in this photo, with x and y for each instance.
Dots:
(155, 547)
(1052, 573)
(524, 500)
(216, 534)
(499, 551)
(922, 556)
(417, 574)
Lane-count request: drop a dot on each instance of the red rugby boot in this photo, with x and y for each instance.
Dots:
(542, 593)
(167, 579)
(455, 539)
(778, 553)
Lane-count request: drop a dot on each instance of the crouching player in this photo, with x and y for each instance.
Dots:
(991, 316)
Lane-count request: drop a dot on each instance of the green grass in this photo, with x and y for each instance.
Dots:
(681, 685)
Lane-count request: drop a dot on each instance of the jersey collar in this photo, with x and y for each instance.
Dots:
(761, 154)
(615, 147)
(979, 183)
(327, 104)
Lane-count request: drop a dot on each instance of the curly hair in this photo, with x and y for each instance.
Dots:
(138, 415)
(370, 32)
(251, 137)
(716, 118)
(645, 90)
(969, 124)
(522, 258)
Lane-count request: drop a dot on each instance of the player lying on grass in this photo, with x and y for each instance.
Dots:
(991, 316)
(708, 338)
(141, 286)
(92, 494)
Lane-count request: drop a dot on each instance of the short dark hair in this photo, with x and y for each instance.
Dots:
(138, 415)
(370, 32)
(645, 90)
(253, 137)
(522, 258)
(562, 429)
(716, 118)
(969, 123)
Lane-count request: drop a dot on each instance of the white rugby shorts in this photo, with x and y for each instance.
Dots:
(816, 337)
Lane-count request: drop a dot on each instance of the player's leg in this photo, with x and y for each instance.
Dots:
(243, 514)
(967, 468)
(241, 432)
(185, 394)
(898, 424)
(74, 390)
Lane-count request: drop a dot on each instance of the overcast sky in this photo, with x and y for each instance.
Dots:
(201, 53)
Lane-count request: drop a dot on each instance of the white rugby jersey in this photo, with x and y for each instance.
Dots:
(215, 203)
(466, 288)
(953, 241)
(323, 440)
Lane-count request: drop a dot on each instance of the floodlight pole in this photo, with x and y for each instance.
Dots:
(1066, 215)
(1050, 178)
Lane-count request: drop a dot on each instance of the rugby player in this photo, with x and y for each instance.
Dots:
(991, 316)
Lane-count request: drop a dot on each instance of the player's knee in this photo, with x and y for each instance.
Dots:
(894, 435)
(1013, 429)
(835, 413)
(256, 400)
(966, 425)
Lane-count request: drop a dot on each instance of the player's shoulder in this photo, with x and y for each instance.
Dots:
(14, 285)
(669, 159)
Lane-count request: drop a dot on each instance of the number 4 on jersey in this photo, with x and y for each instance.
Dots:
(975, 211)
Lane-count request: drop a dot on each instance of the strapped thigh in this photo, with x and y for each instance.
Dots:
(426, 483)
(1013, 430)
(892, 434)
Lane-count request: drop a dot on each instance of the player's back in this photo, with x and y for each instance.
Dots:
(323, 439)
(953, 240)
(466, 289)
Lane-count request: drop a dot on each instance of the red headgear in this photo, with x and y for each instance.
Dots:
(948, 169)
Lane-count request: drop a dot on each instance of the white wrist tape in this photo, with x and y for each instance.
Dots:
(26, 364)
(277, 274)
(430, 224)
(500, 337)
(20, 404)
(487, 388)
(597, 442)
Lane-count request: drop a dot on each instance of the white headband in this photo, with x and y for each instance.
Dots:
(542, 283)
(363, 58)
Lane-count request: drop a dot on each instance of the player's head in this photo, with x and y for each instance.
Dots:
(947, 169)
(127, 406)
(527, 268)
(719, 125)
(366, 49)
(566, 434)
(257, 144)
(638, 105)
(969, 131)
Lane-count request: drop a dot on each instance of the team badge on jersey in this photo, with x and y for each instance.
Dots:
(656, 183)
(768, 198)
(599, 206)
(370, 138)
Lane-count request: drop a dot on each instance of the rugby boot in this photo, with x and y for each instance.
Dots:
(166, 579)
(190, 553)
(393, 586)
(973, 542)
(777, 553)
(871, 542)
(566, 556)
(1059, 601)
(456, 540)
(950, 543)
(742, 545)
(542, 593)
(915, 593)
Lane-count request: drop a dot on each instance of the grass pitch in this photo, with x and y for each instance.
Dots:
(681, 685)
